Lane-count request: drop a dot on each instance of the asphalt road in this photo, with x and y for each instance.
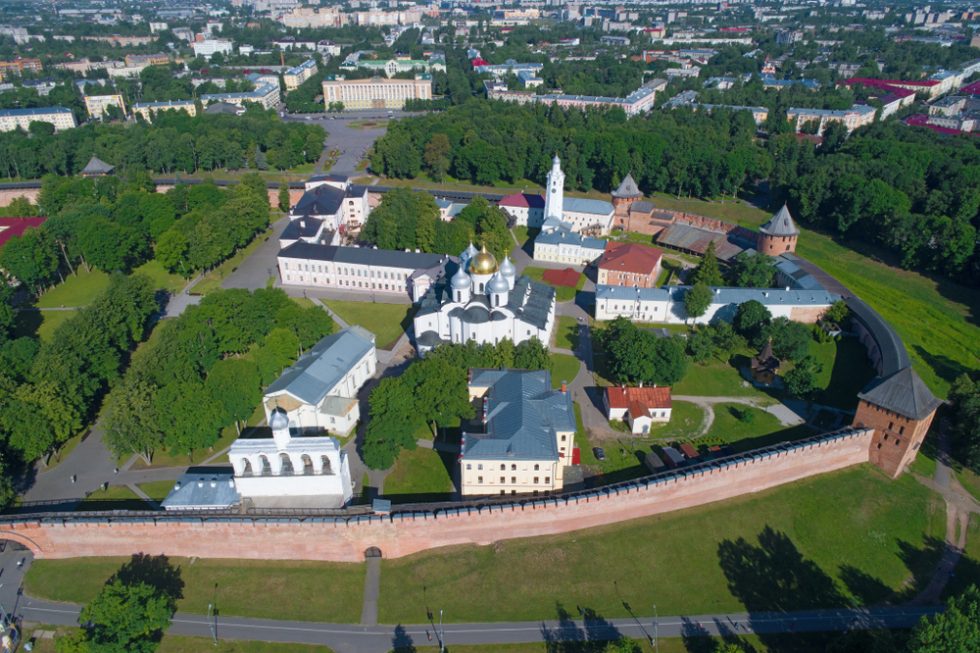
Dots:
(344, 638)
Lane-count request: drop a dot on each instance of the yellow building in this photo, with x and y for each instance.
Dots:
(376, 93)
(148, 109)
(96, 105)
(296, 75)
(527, 437)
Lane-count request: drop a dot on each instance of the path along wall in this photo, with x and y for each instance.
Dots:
(405, 533)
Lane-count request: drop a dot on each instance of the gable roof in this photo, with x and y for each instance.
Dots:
(97, 166)
(627, 188)
(522, 201)
(629, 257)
(10, 227)
(903, 392)
(320, 200)
(321, 368)
(780, 224)
(523, 415)
(390, 258)
(639, 401)
(582, 205)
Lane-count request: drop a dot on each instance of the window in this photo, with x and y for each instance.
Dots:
(513, 468)
(513, 479)
(901, 430)
(564, 437)
(547, 479)
(479, 479)
(897, 442)
(891, 425)
(503, 479)
(503, 467)
(480, 467)
(469, 466)
(536, 468)
(535, 480)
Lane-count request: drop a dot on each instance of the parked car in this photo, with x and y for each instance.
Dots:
(599, 453)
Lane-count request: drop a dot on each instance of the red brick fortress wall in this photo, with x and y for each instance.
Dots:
(405, 533)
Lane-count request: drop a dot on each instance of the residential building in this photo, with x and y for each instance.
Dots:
(207, 48)
(97, 105)
(148, 109)
(639, 101)
(266, 95)
(640, 407)
(360, 269)
(319, 392)
(666, 305)
(557, 243)
(509, 67)
(858, 115)
(143, 60)
(629, 264)
(527, 434)
(524, 209)
(296, 75)
(60, 117)
(391, 67)
(18, 66)
(486, 303)
(376, 93)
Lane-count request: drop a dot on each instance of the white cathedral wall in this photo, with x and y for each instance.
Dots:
(663, 312)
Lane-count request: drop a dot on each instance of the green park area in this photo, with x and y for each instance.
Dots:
(284, 587)
(114, 497)
(746, 427)
(564, 369)
(386, 321)
(420, 474)
(664, 645)
(848, 538)
(562, 293)
(178, 644)
(212, 279)
(76, 290)
(566, 332)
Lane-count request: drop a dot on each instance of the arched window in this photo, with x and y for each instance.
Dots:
(285, 465)
(325, 461)
(307, 465)
(246, 467)
(265, 467)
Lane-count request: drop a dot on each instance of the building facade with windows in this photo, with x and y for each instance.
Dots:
(60, 117)
(149, 109)
(525, 434)
(296, 75)
(376, 93)
(266, 95)
(97, 105)
(557, 243)
(629, 264)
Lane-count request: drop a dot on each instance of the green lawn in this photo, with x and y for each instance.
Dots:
(77, 290)
(160, 277)
(386, 321)
(212, 280)
(566, 332)
(968, 568)
(563, 368)
(969, 480)
(449, 183)
(562, 293)
(178, 644)
(521, 233)
(854, 531)
(715, 379)
(115, 497)
(757, 429)
(306, 591)
(157, 490)
(50, 321)
(924, 465)
(228, 435)
(845, 371)
(664, 644)
(420, 471)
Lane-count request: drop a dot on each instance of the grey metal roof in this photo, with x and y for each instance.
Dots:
(305, 227)
(894, 357)
(642, 206)
(780, 224)
(321, 200)
(583, 205)
(796, 276)
(523, 416)
(693, 239)
(203, 488)
(903, 392)
(564, 235)
(627, 188)
(37, 111)
(363, 256)
(321, 368)
(530, 301)
(97, 166)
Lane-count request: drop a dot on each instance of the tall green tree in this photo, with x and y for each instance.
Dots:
(697, 299)
(707, 272)
(955, 630)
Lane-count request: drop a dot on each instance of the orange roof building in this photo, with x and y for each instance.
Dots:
(629, 264)
(639, 407)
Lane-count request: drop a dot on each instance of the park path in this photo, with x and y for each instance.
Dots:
(784, 414)
(372, 590)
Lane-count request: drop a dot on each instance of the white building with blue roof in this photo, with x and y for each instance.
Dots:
(60, 117)
(319, 392)
(558, 243)
(580, 214)
(666, 305)
(527, 434)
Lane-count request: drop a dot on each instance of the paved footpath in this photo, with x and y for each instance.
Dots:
(346, 638)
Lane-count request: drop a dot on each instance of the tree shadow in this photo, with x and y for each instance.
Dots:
(945, 368)
(697, 639)
(568, 637)
(921, 562)
(155, 571)
(864, 587)
(773, 576)
(401, 641)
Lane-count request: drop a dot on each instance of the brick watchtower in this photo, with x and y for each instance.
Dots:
(624, 196)
(779, 235)
(900, 409)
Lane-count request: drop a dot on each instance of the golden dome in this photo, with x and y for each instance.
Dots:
(483, 263)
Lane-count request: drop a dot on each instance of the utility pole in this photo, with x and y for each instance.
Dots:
(654, 637)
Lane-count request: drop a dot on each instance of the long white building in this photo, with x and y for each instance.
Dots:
(60, 117)
(666, 305)
(376, 93)
(266, 95)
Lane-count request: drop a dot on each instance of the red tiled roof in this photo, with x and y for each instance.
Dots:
(922, 120)
(10, 227)
(629, 257)
(638, 400)
(971, 89)
(881, 83)
(522, 201)
(479, 62)
(567, 277)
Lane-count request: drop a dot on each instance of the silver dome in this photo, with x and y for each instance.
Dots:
(498, 284)
(507, 268)
(469, 252)
(279, 420)
(461, 280)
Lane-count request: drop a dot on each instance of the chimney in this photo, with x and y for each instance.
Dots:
(564, 387)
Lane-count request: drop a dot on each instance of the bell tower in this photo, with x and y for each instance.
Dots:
(555, 193)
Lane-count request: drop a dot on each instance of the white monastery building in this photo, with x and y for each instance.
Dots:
(484, 302)
(581, 215)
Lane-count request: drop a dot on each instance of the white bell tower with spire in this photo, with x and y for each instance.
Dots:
(555, 193)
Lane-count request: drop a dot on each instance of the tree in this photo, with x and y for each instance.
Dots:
(531, 355)
(284, 200)
(837, 313)
(436, 156)
(697, 299)
(801, 381)
(955, 630)
(752, 271)
(751, 318)
(964, 397)
(708, 272)
(790, 340)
